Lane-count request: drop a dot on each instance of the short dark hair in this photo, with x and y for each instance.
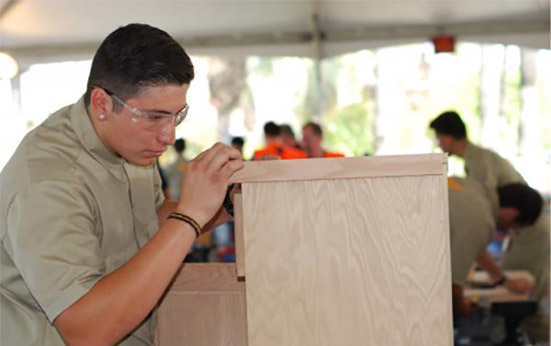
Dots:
(138, 55)
(180, 145)
(523, 198)
(286, 130)
(272, 129)
(314, 127)
(239, 141)
(449, 123)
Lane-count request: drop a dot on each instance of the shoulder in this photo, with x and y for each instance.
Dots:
(294, 153)
(49, 152)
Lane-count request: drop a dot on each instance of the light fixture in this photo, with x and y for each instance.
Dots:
(8, 66)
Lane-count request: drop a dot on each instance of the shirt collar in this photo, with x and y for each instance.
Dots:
(469, 149)
(92, 143)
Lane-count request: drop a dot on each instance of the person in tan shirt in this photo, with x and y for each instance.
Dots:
(475, 212)
(481, 164)
(88, 243)
(529, 247)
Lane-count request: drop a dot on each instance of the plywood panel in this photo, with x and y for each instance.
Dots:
(205, 306)
(348, 262)
(341, 168)
(239, 234)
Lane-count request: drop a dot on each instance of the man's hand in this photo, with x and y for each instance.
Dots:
(206, 182)
(521, 286)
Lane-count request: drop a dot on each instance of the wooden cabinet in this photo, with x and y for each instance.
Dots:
(349, 251)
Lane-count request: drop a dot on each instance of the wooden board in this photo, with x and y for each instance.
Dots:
(497, 294)
(355, 261)
(239, 234)
(341, 168)
(205, 306)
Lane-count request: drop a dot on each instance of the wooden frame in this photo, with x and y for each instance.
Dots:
(344, 251)
(205, 306)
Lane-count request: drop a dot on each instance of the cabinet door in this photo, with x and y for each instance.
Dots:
(347, 260)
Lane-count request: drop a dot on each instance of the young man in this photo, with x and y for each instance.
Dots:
(288, 136)
(275, 148)
(482, 165)
(86, 247)
(312, 138)
(475, 212)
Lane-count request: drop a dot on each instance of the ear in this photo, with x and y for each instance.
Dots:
(506, 218)
(100, 104)
(511, 213)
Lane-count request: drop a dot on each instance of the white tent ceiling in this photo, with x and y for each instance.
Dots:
(39, 30)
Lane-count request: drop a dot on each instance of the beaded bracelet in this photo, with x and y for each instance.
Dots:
(188, 220)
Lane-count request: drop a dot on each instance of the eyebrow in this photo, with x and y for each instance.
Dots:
(155, 110)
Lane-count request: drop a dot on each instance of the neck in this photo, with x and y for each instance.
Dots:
(272, 141)
(317, 152)
(99, 131)
(459, 147)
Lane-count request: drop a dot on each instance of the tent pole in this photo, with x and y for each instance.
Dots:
(318, 56)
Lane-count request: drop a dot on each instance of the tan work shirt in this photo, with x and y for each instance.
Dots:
(529, 250)
(473, 213)
(529, 246)
(488, 168)
(70, 213)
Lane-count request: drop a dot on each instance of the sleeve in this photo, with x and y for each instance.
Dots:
(158, 188)
(52, 240)
(482, 170)
(466, 245)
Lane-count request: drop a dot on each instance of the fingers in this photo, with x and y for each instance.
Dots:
(216, 157)
(223, 155)
(231, 167)
(216, 150)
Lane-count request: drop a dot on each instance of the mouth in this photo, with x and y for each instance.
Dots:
(155, 152)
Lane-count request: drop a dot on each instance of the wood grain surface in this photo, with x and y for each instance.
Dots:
(341, 168)
(239, 234)
(348, 262)
(205, 306)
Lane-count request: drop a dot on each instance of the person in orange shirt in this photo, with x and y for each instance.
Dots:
(288, 136)
(312, 137)
(275, 147)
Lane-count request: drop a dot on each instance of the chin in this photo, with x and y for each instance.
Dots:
(144, 162)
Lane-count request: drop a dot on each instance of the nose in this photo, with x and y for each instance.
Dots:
(166, 134)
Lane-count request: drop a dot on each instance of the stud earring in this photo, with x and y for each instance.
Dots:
(101, 116)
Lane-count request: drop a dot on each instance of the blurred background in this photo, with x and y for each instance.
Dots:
(372, 73)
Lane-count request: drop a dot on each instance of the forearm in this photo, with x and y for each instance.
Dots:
(122, 299)
(170, 206)
(492, 268)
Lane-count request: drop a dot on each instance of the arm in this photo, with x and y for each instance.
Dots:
(496, 274)
(122, 299)
(486, 263)
(170, 206)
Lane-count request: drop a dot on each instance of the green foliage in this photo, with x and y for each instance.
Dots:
(350, 129)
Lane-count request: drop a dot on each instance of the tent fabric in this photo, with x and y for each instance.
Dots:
(34, 30)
